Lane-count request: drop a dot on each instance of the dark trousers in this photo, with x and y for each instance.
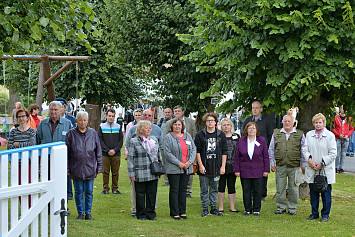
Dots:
(177, 193)
(326, 200)
(146, 193)
(229, 180)
(252, 187)
(264, 187)
(69, 187)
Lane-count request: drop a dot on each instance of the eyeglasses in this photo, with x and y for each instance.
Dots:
(147, 115)
(251, 128)
(211, 121)
(24, 116)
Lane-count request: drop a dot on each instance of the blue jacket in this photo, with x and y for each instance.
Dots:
(44, 129)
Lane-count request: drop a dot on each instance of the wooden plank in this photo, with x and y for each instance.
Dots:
(55, 75)
(51, 58)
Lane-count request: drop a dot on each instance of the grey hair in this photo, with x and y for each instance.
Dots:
(82, 114)
(142, 124)
(285, 116)
(55, 103)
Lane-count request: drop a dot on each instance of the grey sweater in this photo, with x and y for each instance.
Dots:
(173, 154)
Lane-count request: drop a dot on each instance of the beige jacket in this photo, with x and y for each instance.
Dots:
(323, 148)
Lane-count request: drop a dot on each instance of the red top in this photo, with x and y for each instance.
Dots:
(184, 149)
(342, 127)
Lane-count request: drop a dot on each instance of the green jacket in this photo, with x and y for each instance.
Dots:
(288, 152)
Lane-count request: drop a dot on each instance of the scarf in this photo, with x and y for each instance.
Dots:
(319, 133)
(150, 146)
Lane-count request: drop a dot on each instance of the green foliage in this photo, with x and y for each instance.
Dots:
(283, 52)
(4, 96)
(144, 32)
(25, 25)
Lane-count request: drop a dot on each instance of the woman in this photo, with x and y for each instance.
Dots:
(14, 112)
(137, 114)
(144, 149)
(229, 177)
(251, 165)
(84, 162)
(180, 153)
(22, 136)
(320, 149)
(342, 131)
(34, 118)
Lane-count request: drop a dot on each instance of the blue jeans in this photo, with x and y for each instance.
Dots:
(342, 145)
(351, 146)
(81, 187)
(326, 200)
(69, 187)
(211, 194)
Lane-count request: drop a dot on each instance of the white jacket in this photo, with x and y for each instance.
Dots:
(323, 148)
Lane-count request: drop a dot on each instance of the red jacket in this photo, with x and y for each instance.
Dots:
(342, 127)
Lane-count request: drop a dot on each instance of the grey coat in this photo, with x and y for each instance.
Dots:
(173, 154)
(138, 161)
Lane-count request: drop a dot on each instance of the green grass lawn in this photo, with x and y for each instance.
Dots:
(112, 215)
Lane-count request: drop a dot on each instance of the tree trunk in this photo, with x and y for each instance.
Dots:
(12, 100)
(310, 108)
(94, 115)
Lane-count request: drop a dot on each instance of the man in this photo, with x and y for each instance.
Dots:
(190, 128)
(266, 130)
(156, 132)
(54, 129)
(211, 158)
(162, 124)
(285, 158)
(128, 117)
(111, 140)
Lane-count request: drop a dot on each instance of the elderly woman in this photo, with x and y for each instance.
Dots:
(228, 178)
(180, 153)
(84, 163)
(320, 149)
(14, 113)
(251, 165)
(35, 119)
(144, 149)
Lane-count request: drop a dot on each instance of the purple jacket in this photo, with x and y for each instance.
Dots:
(84, 154)
(259, 163)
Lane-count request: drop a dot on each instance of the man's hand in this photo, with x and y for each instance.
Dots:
(222, 171)
(202, 169)
(111, 152)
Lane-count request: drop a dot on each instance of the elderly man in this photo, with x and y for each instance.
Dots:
(190, 128)
(111, 140)
(265, 127)
(162, 124)
(285, 158)
(54, 129)
(156, 132)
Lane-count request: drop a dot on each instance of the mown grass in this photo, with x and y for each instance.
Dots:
(112, 215)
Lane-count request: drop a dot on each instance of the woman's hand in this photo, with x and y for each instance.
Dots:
(265, 174)
(273, 168)
(237, 174)
(181, 165)
(16, 144)
(132, 179)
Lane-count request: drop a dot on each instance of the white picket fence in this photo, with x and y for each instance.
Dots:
(16, 216)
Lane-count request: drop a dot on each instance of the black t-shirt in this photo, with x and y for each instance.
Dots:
(211, 153)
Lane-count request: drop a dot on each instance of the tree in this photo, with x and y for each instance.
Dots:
(282, 52)
(41, 25)
(144, 32)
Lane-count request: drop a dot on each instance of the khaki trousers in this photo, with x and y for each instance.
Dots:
(110, 163)
(283, 177)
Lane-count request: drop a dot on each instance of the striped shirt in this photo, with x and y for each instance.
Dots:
(26, 138)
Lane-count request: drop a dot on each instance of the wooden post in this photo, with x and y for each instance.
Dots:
(40, 88)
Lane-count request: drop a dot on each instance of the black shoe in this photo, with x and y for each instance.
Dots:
(141, 219)
(133, 214)
(88, 217)
(256, 213)
(116, 192)
(177, 218)
(311, 218)
(221, 211)
(246, 213)
(70, 198)
(80, 217)
(341, 171)
(204, 213)
(104, 192)
(215, 212)
(263, 199)
(292, 213)
(152, 219)
(279, 212)
(351, 155)
(184, 217)
(236, 211)
(188, 195)
(324, 219)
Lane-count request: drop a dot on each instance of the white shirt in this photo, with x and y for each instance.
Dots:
(251, 145)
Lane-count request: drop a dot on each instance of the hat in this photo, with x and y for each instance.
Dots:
(4, 121)
(61, 100)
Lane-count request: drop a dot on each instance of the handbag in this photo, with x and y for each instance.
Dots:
(156, 167)
(320, 183)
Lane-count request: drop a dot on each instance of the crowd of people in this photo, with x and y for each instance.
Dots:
(218, 156)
